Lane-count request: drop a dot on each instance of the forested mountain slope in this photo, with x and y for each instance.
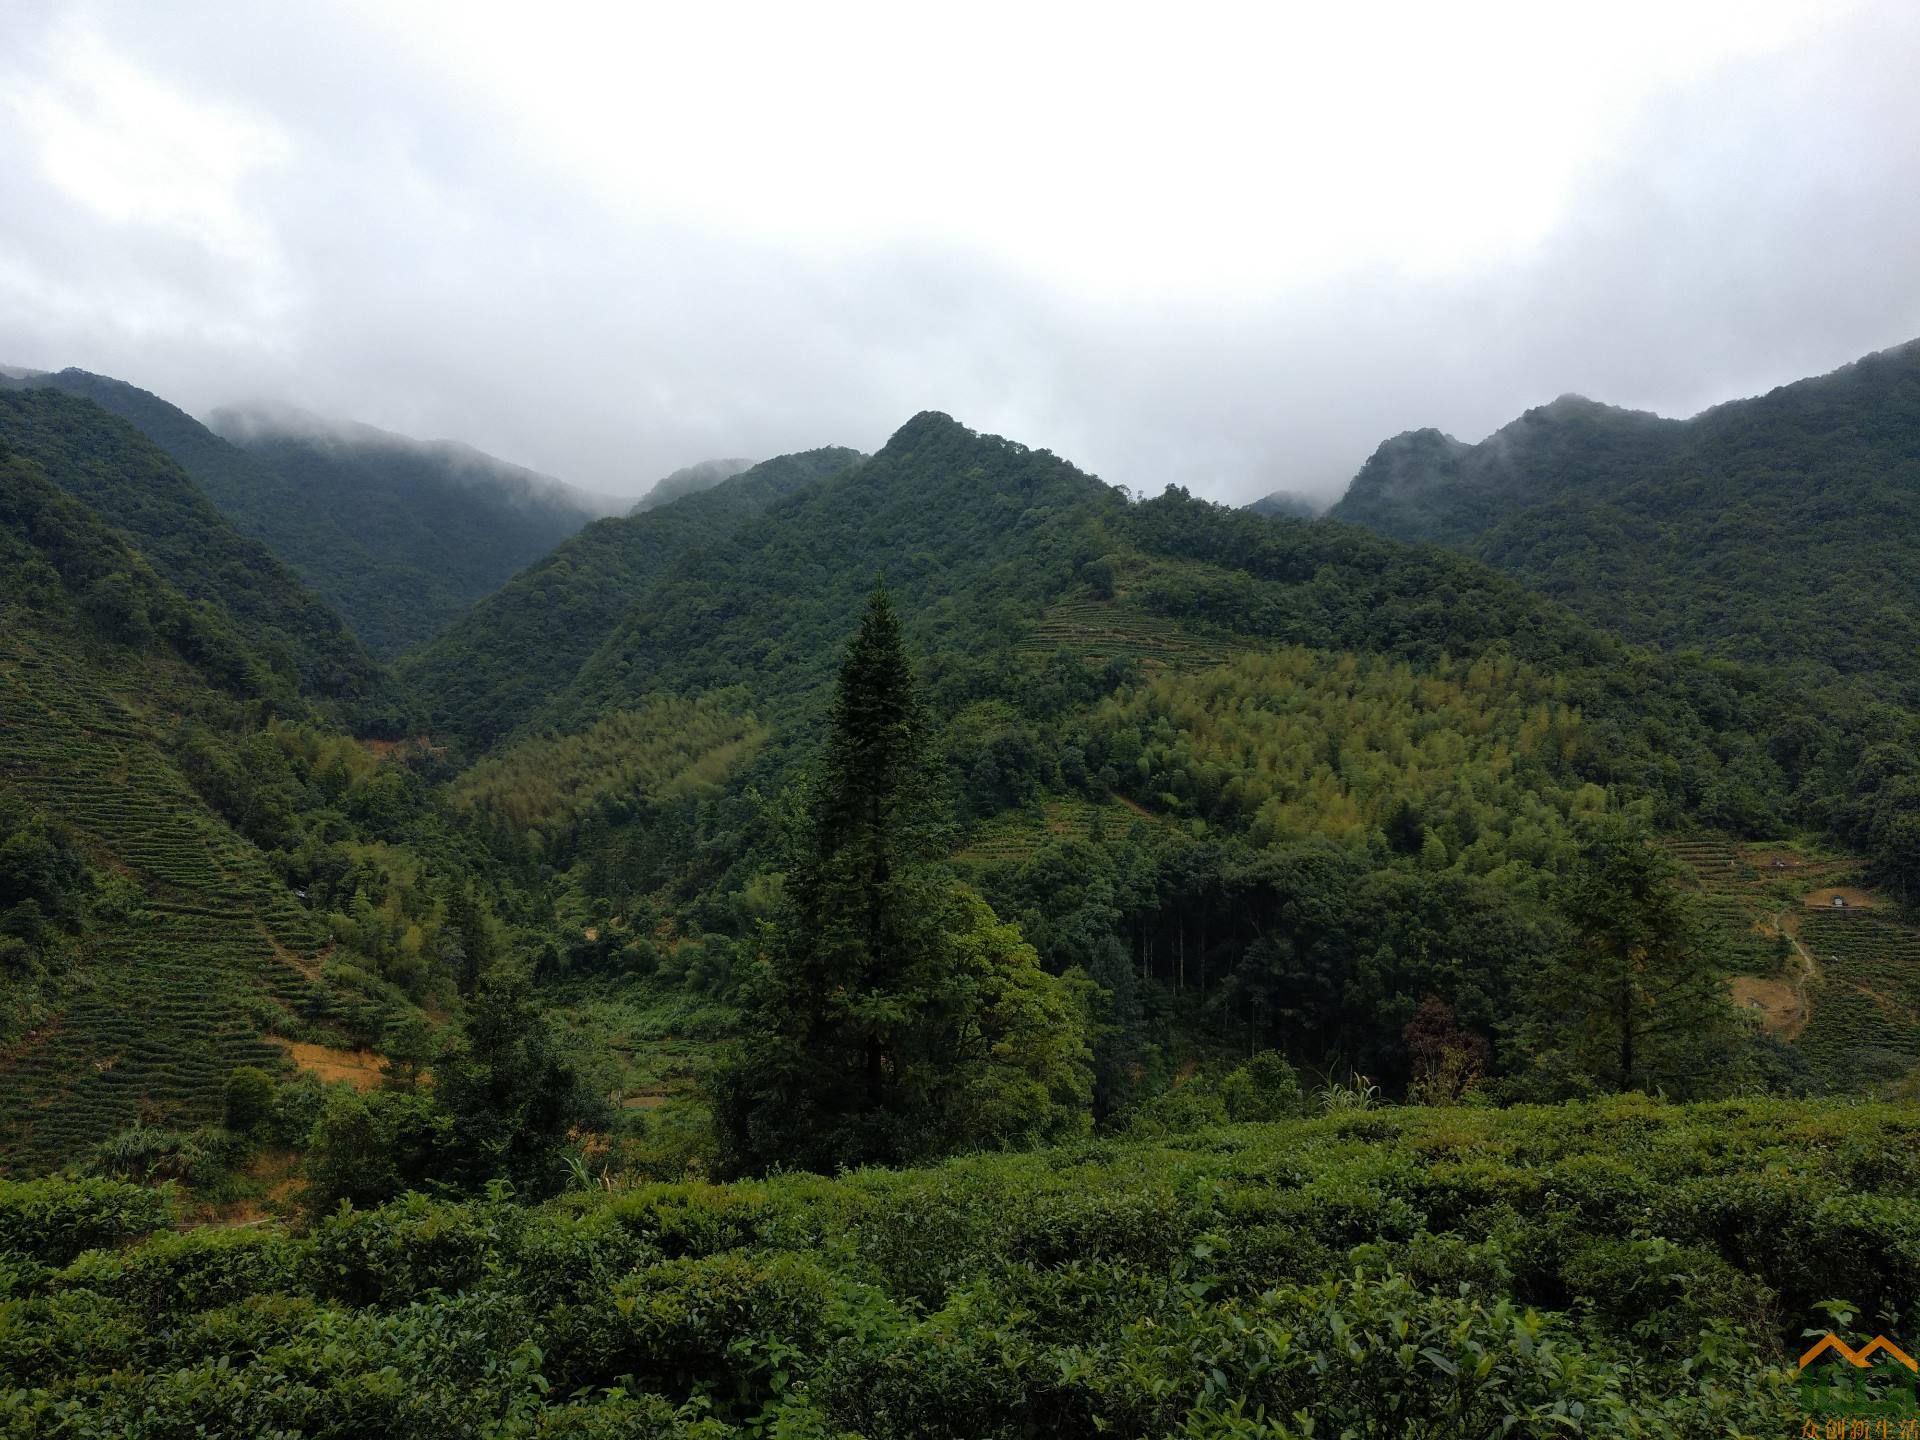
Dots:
(106, 464)
(1003, 559)
(969, 530)
(1265, 782)
(689, 480)
(443, 524)
(1424, 485)
(1117, 823)
(1291, 778)
(144, 936)
(1779, 530)
(501, 661)
(1247, 788)
(196, 869)
(1285, 502)
(983, 540)
(371, 592)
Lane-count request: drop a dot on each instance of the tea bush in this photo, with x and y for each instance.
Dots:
(1618, 1268)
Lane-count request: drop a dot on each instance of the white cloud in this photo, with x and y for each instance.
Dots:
(1233, 246)
(1113, 149)
(135, 152)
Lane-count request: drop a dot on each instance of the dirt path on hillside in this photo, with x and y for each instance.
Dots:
(1785, 1005)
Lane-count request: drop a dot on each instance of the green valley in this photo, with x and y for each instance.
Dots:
(992, 828)
(1216, 967)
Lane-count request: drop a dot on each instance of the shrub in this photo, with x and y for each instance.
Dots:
(297, 1105)
(400, 1252)
(200, 1158)
(1619, 1268)
(183, 1274)
(250, 1096)
(1265, 1088)
(52, 1221)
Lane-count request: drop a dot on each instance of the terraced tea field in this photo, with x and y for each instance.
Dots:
(1012, 837)
(166, 1002)
(1866, 1002)
(1842, 984)
(1102, 630)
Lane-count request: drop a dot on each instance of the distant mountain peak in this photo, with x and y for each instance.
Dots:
(689, 480)
(253, 425)
(1402, 463)
(1778, 529)
(1287, 503)
(928, 424)
(1571, 402)
(1573, 407)
(1424, 442)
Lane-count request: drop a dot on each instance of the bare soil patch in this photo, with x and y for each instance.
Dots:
(1823, 899)
(359, 1068)
(1781, 1011)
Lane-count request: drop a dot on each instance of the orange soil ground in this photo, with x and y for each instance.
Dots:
(359, 1068)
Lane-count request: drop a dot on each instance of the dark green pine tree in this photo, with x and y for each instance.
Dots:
(1637, 997)
(837, 1067)
(471, 950)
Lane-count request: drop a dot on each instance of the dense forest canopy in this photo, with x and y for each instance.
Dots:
(1289, 710)
(501, 662)
(1780, 530)
(257, 501)
(395, 536)
(444, 525)
(134, 486)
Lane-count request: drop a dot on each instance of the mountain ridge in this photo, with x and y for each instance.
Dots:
(245, 425)
(689, 480)
(1780, 529)
(442, 523)
(106, 463)
(500, 661)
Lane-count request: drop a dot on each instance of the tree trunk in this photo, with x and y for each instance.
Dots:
(1626, 1027)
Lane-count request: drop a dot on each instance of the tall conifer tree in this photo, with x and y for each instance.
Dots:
(1637, 999)
(897, 1016)
(827, 1073)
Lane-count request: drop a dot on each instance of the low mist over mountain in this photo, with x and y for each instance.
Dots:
(689, 480)
(351, 443)
(1424, 485)
(129, 483)
(444, 523)
(258, 501)
(399, 535)
(1286, 502)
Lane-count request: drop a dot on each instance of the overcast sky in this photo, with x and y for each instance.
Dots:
(1232, 247)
